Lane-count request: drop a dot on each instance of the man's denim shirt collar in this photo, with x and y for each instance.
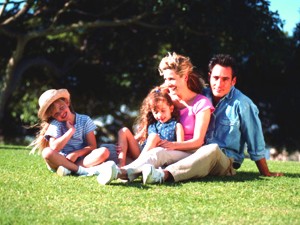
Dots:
(208, 93)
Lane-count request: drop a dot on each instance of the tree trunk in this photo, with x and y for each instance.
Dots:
(8, 83)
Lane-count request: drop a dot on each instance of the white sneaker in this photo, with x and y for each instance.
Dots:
(152, 175)
(107, 172)
(95, 170)
(132, 174)
(62, 171)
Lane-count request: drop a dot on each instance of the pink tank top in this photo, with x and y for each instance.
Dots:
(188, 114)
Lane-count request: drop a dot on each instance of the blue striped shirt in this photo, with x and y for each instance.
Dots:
(83, 125)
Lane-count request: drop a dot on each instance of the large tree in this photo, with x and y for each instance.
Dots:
(26, 22)
(73, 44)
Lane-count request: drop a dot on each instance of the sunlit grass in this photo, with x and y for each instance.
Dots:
(30, 194)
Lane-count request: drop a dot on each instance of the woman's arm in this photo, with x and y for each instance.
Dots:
(201, 125)
(179, 132)
(152, 141)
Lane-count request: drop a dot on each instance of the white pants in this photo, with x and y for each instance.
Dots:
(208, 160)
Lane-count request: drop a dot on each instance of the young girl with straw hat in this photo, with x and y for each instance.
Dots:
(66, 139)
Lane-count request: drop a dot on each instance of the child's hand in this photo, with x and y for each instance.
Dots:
(174, 98)
(118, 149)
(70, 126)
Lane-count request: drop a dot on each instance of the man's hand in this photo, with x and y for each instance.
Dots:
(264, 170)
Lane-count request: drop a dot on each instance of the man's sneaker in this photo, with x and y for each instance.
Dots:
(108, 171)
(152, 175)
(62, 171)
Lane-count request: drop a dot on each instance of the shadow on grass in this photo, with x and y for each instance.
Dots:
(239, 177)
(137, 183)
(292, 175)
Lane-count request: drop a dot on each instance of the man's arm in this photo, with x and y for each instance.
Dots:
(264, 169)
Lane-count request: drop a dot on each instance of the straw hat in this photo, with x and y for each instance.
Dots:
(48, 97)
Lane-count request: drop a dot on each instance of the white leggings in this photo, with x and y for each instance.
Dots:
(158, 157)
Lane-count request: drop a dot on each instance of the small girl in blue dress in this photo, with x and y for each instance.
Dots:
(157, 120)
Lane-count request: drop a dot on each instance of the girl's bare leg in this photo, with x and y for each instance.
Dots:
(54, 160)
(128, 144)
(96, 157)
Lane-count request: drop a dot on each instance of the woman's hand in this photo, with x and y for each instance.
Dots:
(166, 144)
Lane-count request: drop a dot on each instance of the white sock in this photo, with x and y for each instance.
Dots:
(82, 171)
(94, 170)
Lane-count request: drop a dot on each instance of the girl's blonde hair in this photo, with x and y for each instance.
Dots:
(182, 66)
(145, 118)
(40, 142)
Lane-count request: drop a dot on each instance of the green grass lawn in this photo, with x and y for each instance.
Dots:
(30, 194)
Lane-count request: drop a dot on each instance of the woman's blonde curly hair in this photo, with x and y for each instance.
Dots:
(182, 66)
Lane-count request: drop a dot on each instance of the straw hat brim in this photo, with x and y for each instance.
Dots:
(48, 97)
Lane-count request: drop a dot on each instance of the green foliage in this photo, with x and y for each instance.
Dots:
(106, 63)
(69, 37)
(30, 194)
(27, 116)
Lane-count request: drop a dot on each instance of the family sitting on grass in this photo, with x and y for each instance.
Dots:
(184, 130)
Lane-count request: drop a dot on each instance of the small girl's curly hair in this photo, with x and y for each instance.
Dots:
(145, 118)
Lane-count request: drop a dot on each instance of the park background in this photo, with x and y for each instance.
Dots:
(106, 54)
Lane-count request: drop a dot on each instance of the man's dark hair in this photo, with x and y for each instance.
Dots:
(225, 61)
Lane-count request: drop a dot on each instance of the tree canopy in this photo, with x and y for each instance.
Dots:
(74, 44)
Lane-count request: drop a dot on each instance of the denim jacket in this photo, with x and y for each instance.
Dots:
(236, 127)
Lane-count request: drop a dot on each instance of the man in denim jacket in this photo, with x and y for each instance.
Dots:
(234, 127)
